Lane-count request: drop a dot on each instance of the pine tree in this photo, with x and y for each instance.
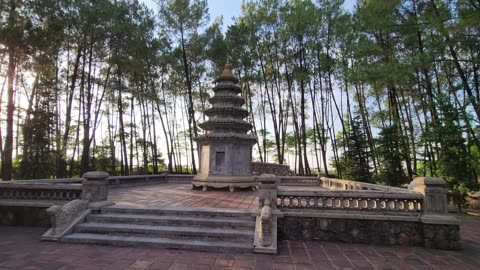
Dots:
(356, 155)
(389, 151)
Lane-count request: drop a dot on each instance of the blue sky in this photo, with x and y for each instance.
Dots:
(230, 9)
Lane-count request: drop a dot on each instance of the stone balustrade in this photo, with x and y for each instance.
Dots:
(150, 179)
(136, 179)
(46, 181)
(355, 212)
(50, 193)
(25, 203)
(340, 184)
(299, 181)
(336, 200)
(179, 178)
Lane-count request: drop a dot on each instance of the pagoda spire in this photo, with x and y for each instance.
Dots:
(227, 71)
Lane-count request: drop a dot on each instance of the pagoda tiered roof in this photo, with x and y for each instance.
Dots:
(226, 116)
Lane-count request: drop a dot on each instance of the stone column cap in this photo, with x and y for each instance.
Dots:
(267, 178)
(429, 181)
(95, 175)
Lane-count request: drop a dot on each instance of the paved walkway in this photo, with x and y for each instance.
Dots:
(182, 195)
(20, 248)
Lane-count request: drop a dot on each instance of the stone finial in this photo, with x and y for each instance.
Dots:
(95, 189)
(227, 71)
(95, 176)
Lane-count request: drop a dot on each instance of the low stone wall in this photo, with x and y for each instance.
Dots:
(369, 214)
(365, 231)
(24, 203)
(259, 168)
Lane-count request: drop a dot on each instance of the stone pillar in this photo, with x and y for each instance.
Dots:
(267, 190)
(266, 225)
(439, 229)
(435, 194)
(95, 189)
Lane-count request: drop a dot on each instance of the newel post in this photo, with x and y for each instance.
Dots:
(440, 230)
(434, 191)
(267, 189)
(266, 224)
(95, 189)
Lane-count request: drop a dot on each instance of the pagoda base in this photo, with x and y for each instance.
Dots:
(217, 181)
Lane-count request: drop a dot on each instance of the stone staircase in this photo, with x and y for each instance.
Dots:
(205, 229)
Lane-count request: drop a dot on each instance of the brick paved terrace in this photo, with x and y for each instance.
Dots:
(182, 195)
(20, 248)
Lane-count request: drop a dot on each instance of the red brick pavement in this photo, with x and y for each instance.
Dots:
(20, 248)
(182, 195)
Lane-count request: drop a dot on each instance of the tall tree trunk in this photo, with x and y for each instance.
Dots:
(62, 159)
(7, 161)
(122, 127)
(192, 125)
(87, 114)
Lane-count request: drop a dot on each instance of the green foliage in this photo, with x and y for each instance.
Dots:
(459, 195)
(454, 163)
(355, 160)
(389, 151)
(38, 160)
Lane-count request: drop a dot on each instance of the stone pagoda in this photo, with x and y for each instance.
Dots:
(225, 149)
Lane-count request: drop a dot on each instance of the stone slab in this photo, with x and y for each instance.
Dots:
(171, 219)
(146, 241)
(156, 230)
(182, 210)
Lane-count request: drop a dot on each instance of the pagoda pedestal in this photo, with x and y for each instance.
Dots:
(225, 149)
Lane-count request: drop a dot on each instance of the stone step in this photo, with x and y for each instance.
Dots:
(173, 220)
(183, 211)
(168, 231)
(163, 242)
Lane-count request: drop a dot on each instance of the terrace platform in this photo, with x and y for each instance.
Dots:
(158, 195)
(307, 208)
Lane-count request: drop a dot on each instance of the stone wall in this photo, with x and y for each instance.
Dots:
(24, 216)
(381, 232)
(259, 168)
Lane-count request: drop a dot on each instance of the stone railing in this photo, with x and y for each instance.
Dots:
(353, 212)
(298, 181)
(340, 184)
(150, 179)
(351, 201)
(180, 178)
(146, 179)
(47, 181)
(136, 179)
(48, 193)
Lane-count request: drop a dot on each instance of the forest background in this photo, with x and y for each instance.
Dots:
(377, 93)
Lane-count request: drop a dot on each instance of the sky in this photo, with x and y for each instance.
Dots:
(230, 9)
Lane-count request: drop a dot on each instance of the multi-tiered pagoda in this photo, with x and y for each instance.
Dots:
(225, 148)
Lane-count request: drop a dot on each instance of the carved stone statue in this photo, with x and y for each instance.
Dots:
(61, 216)
(266, 224)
